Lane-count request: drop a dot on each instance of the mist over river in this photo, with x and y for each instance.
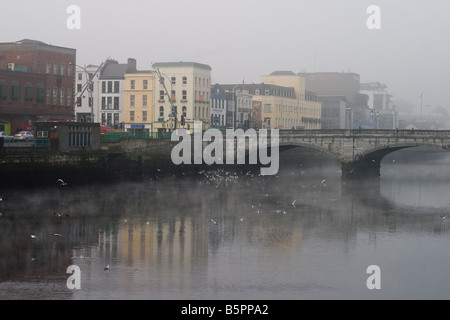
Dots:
(223, 234)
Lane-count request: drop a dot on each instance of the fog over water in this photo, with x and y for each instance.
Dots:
(160, 242)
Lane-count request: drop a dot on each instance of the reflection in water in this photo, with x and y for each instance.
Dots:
(292, 236)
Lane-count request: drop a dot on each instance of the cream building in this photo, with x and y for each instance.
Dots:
(138, 101)
(185, 87)
(283, 102)
(284, 110)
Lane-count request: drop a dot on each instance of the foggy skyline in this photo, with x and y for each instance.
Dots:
(242, 40)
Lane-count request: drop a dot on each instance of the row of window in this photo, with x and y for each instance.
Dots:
(198, 96)
(198, 81)
(38, 93)
(144, 84)
(59, 69)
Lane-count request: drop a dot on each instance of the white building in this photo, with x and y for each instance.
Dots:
(379, 98)
(86, 94)
(185, 87)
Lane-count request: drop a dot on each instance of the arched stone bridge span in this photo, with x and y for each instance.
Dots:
(361, 151)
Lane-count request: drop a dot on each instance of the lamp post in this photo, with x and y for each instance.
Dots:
(348, 112)
(421, 104)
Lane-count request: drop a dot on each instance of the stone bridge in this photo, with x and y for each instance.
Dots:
(361, 151)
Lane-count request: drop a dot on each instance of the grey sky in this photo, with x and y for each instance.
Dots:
(242, 40)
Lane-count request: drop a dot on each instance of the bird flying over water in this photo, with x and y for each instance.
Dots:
(34, 237)
(214, 221)
(106, 268)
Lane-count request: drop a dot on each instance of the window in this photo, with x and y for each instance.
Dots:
(161, 95)
(69, 69)
(131, 116)
(145, 84)
(133, 84)
(109, 86)
(257, 92)
(174, 80)
(109, 103)
(103, 103)
(173, 95)
(116, 103)
(184, 80)
(161, 112)
(55, 68)
(15, 91)
(103, 86)
(63, 69)
(132, 101)
(49, 93)
(61, 96)
(144, 116)
(55, 96)
(116, 86)
(48, 67)
(79, 87)
(268, 108)
(40, 95)
(184, 110)
(184, 94)
(144, 100)
(3, 90)
(42, 134)
(69, 97)
(80, 76)
(29, 92)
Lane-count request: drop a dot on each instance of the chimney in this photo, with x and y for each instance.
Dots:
(131, 65)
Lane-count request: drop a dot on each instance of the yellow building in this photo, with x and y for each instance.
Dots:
(287, 109)
(138, 106)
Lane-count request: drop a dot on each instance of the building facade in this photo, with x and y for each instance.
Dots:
(138, 111)
(36, 83)
(182, 93)
(87, 93)
(111, 93)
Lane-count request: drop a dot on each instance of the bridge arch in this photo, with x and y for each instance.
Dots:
(361, 151)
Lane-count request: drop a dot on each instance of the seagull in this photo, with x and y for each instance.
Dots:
(61, 182)
(213, 221)
(34, 237)
(1, 198)
(293, 203)
(106, 268)
(443, 217)
(60, 215)
(57, 235)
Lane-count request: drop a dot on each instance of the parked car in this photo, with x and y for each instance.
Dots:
(6, 137)
(24, 136)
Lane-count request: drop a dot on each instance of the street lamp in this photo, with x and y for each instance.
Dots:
(348, 112)
(421, 103)
(375, 118)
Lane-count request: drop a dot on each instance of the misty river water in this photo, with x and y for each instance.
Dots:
(292, 236)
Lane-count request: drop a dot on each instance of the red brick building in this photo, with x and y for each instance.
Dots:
(37, 83)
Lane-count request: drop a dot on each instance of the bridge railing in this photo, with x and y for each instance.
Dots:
(372, 132)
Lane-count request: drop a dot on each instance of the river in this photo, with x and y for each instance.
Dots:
(300, 235)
